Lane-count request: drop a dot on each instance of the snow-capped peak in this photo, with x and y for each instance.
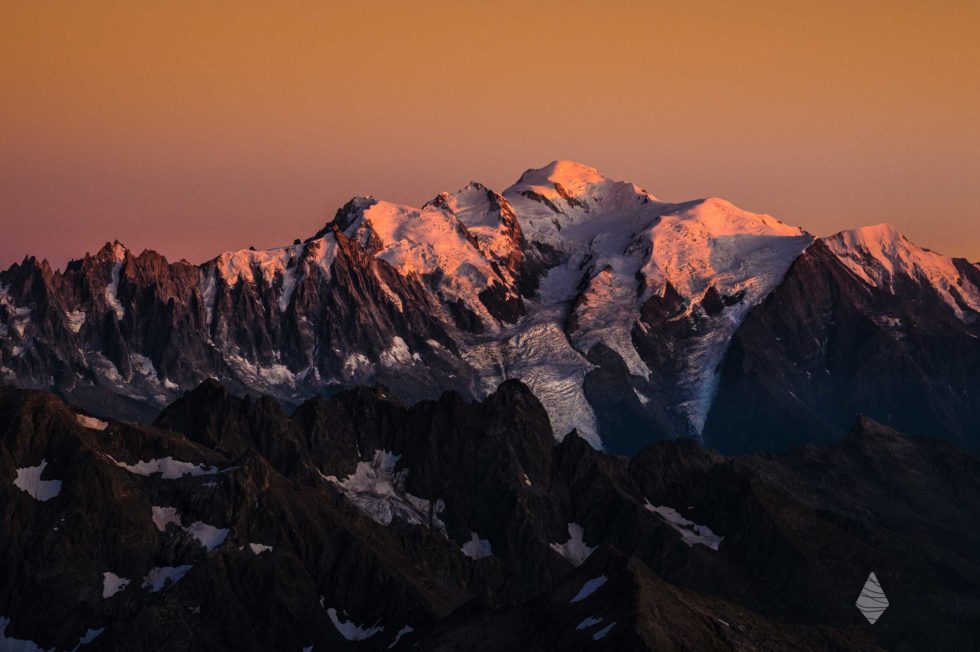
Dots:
(712, 241)
(474, 204)
(566, 205)
(575, 177)
(879, 255)
(568, 184)
(883, 241)
(488, 217)
(425, 241)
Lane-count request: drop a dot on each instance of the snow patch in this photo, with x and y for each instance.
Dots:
(274, 375)
(160, 577)
(29, 480)
(691, 532)
(112, 290)
(351, 631)
(208, 535)
(168, 467)
(398, 353)
(112, 584)
(407, 629)
(477, 548)
(575, 549)
(589, 588)
(355, 362)
(9, 644)
(164, 516)
(259, 548)
(601, 634)
(378, 491)
(588, 622)
(92, 422)
(89, 636)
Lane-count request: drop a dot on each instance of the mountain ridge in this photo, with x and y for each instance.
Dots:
(229, 524)
(592, 291)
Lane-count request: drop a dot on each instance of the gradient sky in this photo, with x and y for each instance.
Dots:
(197, 127)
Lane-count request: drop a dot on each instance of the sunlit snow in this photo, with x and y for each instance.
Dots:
(92, 422)
(878, 254)
(424, 241)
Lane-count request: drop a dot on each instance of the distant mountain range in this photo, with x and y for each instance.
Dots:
(631, 319)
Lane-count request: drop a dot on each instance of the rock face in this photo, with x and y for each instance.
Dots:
(831, 342)
(230, 525)
(632, 319)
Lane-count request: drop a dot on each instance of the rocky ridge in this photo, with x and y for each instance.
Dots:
(230, 525)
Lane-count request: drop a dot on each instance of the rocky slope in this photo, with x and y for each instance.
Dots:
(864, 322)
(632, 319)
(230, 525)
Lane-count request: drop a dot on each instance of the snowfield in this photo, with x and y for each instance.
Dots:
(379, 491)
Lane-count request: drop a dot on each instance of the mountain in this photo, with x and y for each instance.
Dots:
(361, 523)
(632, 319)
(864, 322)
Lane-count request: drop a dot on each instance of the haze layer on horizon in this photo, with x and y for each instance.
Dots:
(194, 128)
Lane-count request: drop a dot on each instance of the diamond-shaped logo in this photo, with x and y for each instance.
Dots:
(872, 601)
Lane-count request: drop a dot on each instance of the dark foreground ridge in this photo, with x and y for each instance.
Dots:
(361, 523)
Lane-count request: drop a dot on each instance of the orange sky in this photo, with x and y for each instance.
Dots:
(196, 127)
